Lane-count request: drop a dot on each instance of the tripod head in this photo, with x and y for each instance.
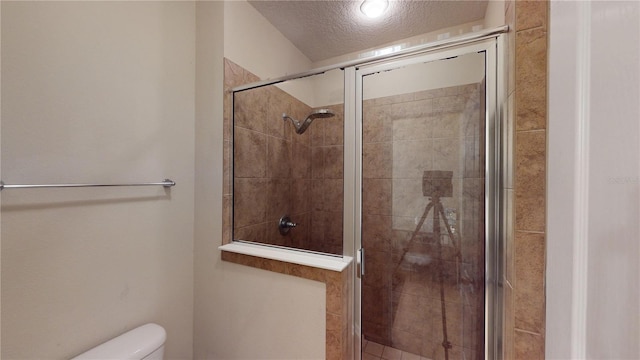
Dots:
(437, 184)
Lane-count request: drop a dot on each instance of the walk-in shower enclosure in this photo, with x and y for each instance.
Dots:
(288, 178)
(404, 175)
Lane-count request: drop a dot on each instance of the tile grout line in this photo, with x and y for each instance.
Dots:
(526, 331)
(530, 131)
(530, 231)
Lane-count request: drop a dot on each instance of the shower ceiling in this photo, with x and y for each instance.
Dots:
(324, 29)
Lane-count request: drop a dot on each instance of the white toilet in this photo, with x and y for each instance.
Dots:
(143, 343)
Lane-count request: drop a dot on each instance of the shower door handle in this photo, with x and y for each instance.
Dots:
(361, 260)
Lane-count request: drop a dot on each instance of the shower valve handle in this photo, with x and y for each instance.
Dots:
(289, 224)
(285, 225)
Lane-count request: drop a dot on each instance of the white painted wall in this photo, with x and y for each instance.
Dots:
(462, 70)
(0, 178)
(593, 251)
(96, 92)
(468, 70)
(561, 179)
(494, 14)
(253, 43)
(242, 312)
(208, 177)
(405, 43)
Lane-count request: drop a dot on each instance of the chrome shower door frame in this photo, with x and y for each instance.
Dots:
(493, 47)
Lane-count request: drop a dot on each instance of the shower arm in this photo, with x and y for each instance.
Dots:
(295, 122)
(301, 126)
(285, 117)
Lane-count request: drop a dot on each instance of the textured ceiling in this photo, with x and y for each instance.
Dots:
(324, 29)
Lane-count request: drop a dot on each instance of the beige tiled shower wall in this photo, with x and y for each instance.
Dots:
(278, 172)
(272, 171)
(403, 136)
(525, 180)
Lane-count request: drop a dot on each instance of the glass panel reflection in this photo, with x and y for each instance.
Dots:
(288, 164)
(423, 208)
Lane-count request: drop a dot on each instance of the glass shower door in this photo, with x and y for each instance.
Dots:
(423, 208)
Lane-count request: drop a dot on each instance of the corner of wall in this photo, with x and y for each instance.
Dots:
(253, 43)
(209, 17)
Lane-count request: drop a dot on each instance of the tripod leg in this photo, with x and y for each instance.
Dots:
(415, 232)
(436, 233)
(421, 222)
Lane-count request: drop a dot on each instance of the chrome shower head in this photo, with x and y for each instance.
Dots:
(316, 114)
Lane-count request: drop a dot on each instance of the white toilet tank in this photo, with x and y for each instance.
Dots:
(145, 342)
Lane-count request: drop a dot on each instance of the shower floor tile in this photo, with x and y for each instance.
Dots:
(374, 351)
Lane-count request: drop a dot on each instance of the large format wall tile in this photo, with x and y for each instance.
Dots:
(333, 162)
(531, 79)
(412, 128)
(300, 161)
(528, 346)
(250, 201)
(530, 158)
(529, 282)
(531, 14)
(250, 154)
(377, 160)
(377, 197)
(278, 199)
(250, 109)
(333, 128)
(412, 158)
(279, 103)
(278, 158)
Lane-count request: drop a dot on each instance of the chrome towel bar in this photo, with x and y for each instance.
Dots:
(167, 183)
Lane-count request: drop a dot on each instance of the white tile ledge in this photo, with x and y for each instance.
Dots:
(326, 262)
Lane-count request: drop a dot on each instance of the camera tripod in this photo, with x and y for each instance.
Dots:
(438, 213)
